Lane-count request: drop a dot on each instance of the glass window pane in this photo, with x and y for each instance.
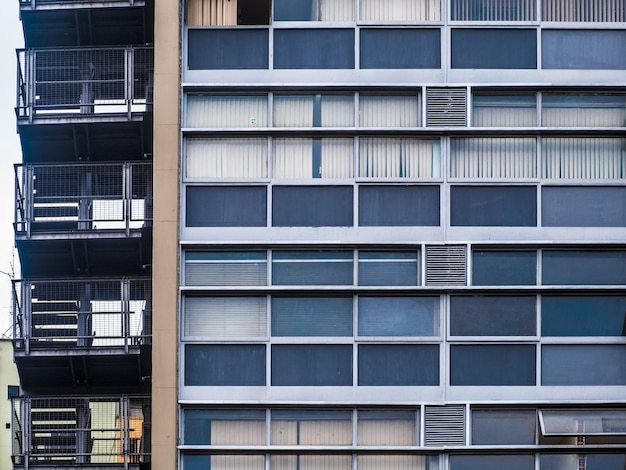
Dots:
(493, 206)
(398, 206)
(313, 10)
(388, 111)
(584, 267)
(225, 316)
(226, 158)
(592, 461)
(492, 462)
(204, 462)
(313, 158)
(224, 427)
(583, 49)
(311, 462)
(582, 422)
(399, 158)
(504, 110)
(479, 10)
(582, 110)
(399, 365)
(494, 48)
(311, 428)
(388, 428)
(313, 110)
(388, 268)
(583, 158)
(400, 48)
(226, 111)
(312, 316)
(493, 316)
(312, 206)
(583, 315)
(400, 10)
(488, 157)
(503, 268)
(311, 365)
(592, 206)
(224, 365)
(215, 49)
(492, 364)
(398, 316)
(578, 10)
(212, 268)
(312, 267)
(586, 364)
(314, 49)
(226, 206)
(379, 462)
(503, 427)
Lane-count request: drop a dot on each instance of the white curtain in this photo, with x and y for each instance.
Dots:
(388, 111)
(583, 111)
(493, 157)
(293, 158)
(237, 433)
(400, 10)
(393, 462)
(237, 462)
(584, 10)
(493, 10)
(336, 10)
(322, 432)
(311, 462)
(504, 111)
(217, 111)
(226, 158)
(298, 111)
(225, 316)
(387, 432)
(399, 158)
(337, 111)
(211, 12)
(583, 158)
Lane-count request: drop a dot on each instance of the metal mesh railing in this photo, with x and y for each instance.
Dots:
(84, 81)
(34, 3)
(82, 197)
(81, 430)
(81, 314)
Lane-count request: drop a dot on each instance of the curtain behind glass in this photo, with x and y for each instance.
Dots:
(504, 111)
(493, 158)
(388, 111)
(399, 158)
(583, 110)
(226, 158)
(336, 10)
(493, 10)
(211, 12)
(225, 316)
(313, 111)
(583, 158)
(396, 462)
(294, 158)
(400, 10)
(204, 111)
(584, 10)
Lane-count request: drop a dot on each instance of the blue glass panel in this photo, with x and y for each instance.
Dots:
(584, 364)
(399, 365)
(584, 49)
(222, 365)
(312, 206)
(493, 316)
(494, 48)
(314, 48)
(492, 364)
(312, 316)
(492, 462)
(584, 267)
(398, 316)
(380, 268)
(400, 48)
(504, 268)
(503, 427)
(399, 206)
(224, 206)
(493, 206)
(211, 49)
(311, 365)
(590, 206)
(312, 267)
(583, 316)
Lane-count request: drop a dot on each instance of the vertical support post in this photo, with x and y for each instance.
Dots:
(124, 430)
(84, 326)
(29, 197)
(129, 74)
(26, 417)
(83, 431)
(27, 317)
(125, 293)
(85, 204)
(30, 76)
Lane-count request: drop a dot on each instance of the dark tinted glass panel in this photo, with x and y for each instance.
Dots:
(312, 206)
(492, 316)
(492, 364)
(206, 462)
(314, 49)
(400, 49)
(592, 462)
(312, 365)
(399, 205)
(584, 49)
(380, 268)
(214, 365)
(504, 268)
(583, 365)
(312, 316)
(197, 425)
(398, 316)
(583, 316)
(502, 427)
(408, 365)
(583, 206)
(294, 10)
(494, 49)
(584, 267)
(480, 10)
(211, 49)
(510, 206)
(492, 462)
(226, 206)
(312, 267)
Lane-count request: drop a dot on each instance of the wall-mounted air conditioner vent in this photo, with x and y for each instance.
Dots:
(446, 107)
(444, 426)
(446, 265)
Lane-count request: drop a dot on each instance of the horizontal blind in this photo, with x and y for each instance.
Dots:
(226, 158)
(493, 158)
(388, 111)
(399, 158)
(217, 111)
(583, 158)
(400, 10)
(584, 10)
(225, 269)
(225, 316)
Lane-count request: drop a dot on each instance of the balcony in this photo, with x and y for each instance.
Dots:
(70, 334)
(84, 103)
(64, 433)
(83, 219)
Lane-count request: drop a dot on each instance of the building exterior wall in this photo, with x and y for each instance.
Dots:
(8, 377)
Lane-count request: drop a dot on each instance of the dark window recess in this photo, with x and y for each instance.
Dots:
(493, 316)
(398, 316)
(400, 49)
(314, 49)
(592, 461)
(253, 12)
(311, 365)
(494, 49)
(398, 206)
(291, 268)
(584, 49)
(226, 206)
(492, 364)
(503, 427)
(399, 365)
(224, 49)
(224, 365)
(586, 364)
(493, 206)
(504, 268)
(583, 315)
(584, 267)
(295, 10)
(492, 462)
(583, 206)
(312, 316)
(312, 206)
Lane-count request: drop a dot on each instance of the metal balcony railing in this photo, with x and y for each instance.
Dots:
(87, 3)
(82, 197)
(85, 314)
(54, 431)
(83, 81)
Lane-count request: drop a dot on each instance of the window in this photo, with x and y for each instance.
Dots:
(312, 267)
(312, 365)
(311, 461)
(313, 10)
(580, 315)
(388, 111)
(582, 110)
(578, 10)
(492, 462)
(226, 111)
(227, 12)
(223, 427)
(213, 268)
(592, 461)
(492, 364)
(400, 10)
(312, 316)
(226, 206)
(313, 110)
(204, 462)
(487, 157)
(502, 268)
(494, 49)
(215, 49)
(493, 316)
(583, 364)
(312, 206)
(493, 206)
(503, 426)
(224, 365)
(583, 422)
(392, 157)
(313, 49)
(399, 365)
(388, 428)
(225, 316)
(398, 316)
(478, 10)
(225, 158)
(504, 110)
(398, 206)
(400, 48)
(584, 49)
(592, 206)
(311, 428)
(388, 268)
(584, 267)
(313, 158)
(583, 157)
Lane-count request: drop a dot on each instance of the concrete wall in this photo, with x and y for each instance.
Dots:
(8, 376)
